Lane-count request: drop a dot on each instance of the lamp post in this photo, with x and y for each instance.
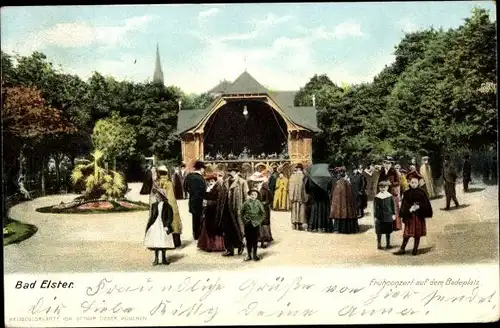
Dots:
(314, 100)
(180, 103)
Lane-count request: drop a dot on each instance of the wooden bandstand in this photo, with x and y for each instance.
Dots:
(299, 122)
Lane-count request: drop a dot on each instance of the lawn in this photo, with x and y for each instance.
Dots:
(16, 232)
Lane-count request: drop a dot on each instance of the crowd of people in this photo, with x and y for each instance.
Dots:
(229, 212)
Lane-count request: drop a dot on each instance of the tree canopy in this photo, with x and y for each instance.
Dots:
(436, 96)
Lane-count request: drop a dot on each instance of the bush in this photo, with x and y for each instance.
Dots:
(95, 182)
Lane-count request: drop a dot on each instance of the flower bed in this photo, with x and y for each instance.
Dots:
(95, 206)
(102, 205)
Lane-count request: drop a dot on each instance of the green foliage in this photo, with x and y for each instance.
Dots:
(436, 97)
(114, 136)
(96, 182)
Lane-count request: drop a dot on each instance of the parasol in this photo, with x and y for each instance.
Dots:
(320, 175)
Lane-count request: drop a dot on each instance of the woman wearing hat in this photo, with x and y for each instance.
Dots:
(165, 184)
(415, 208)
(280, 201)
(211, 235)
(426, 173)
(343, 205)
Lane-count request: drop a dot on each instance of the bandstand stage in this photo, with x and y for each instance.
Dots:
(250, 126)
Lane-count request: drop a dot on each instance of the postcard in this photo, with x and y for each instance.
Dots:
(237, 164)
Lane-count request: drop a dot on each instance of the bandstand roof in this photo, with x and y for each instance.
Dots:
(246, 84)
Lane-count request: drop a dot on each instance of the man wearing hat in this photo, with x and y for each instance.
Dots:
(298, 198)
(196, 187)
(388, 173)
(426, 173)
(450, 179)
(234, 229)
(272, 181)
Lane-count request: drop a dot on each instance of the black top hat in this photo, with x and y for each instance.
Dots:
(199, 165)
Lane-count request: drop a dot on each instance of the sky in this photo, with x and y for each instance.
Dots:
(281, 45)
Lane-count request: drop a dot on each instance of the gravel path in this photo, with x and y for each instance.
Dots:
(113, 242)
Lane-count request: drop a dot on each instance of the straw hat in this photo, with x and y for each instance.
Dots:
(162, 168)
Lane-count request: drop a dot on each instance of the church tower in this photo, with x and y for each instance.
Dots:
(158, 73)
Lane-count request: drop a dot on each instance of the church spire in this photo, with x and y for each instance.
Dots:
(158, 73)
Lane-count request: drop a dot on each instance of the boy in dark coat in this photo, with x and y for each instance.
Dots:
(253, 214)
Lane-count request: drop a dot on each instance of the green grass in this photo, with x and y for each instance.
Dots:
(117, 208)
(18, 231)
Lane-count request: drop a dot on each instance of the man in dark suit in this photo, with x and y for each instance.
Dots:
(272, 182)
(466, 173)
(183, 175)
(196, 187)
(358, 183)
(450, 178)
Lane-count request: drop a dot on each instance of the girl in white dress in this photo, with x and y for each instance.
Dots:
(159, 227)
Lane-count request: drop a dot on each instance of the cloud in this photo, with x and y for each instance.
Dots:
(80, 34)
(208, 13)
(407, 25)
(260, 26)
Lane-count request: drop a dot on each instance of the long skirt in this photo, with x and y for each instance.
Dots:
(265, 234)
(319, 217)
(346, 226)
(383, 227)
(156, 236)
(210, 243)
(397, 225)
(414, 227)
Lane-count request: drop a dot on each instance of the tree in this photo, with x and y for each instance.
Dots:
(27, 121)
(115, 137)
(304, 95)
(200, 101)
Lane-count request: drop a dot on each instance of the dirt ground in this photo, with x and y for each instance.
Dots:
(113, 242)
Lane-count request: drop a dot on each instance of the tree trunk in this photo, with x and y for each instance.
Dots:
(114, 164)
(57, 160)
(43, 175)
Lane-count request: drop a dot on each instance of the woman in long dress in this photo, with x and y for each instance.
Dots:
(343, 206)
(212, 235)
(415, 208)
(165, 184)
(281, 194)
(158, 228)
(318, 219)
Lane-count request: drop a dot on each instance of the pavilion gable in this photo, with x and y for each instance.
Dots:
(247, 84)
